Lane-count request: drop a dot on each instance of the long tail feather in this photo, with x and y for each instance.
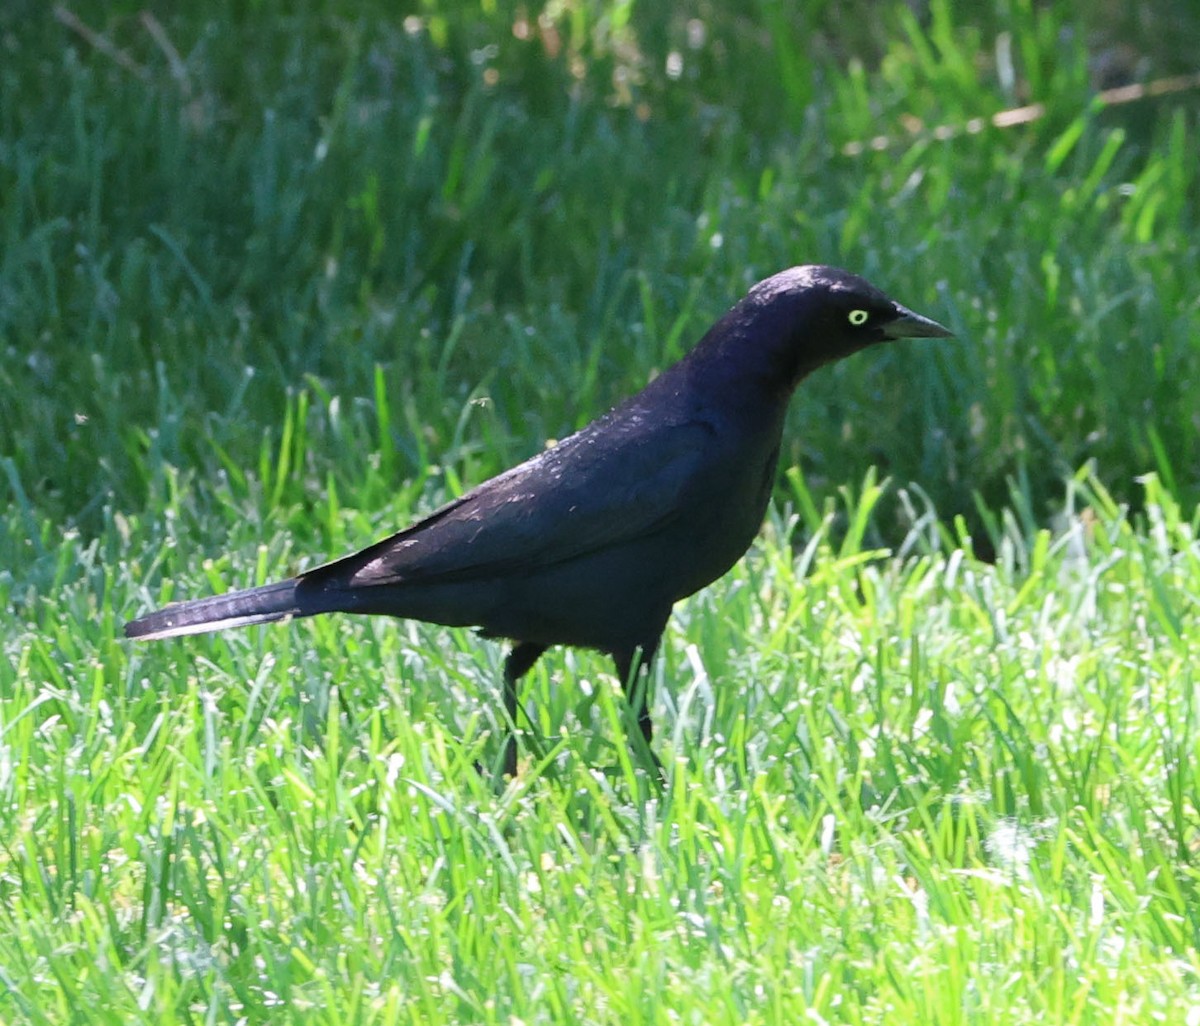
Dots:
(235, 609)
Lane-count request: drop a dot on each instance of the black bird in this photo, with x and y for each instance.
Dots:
(592, 541)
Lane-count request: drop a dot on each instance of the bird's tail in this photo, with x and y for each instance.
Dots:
(235, 609)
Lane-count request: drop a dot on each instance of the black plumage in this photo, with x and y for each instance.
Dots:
(592, 541)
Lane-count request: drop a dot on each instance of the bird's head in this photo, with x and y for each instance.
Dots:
(837, 312)
(790, 324)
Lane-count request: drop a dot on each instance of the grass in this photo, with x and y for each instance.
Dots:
(915, 788)
(285, 278)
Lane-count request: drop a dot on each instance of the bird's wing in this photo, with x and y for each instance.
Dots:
(615, 481)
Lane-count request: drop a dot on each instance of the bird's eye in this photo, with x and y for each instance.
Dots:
(858, 317)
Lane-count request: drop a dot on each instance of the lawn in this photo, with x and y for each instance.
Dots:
(277, 278)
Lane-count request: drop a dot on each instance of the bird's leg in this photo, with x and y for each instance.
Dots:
(517, 663)
(633, 667)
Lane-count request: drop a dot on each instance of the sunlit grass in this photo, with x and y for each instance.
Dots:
(918, 789)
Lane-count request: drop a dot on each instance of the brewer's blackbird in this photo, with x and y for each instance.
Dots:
(593, 540)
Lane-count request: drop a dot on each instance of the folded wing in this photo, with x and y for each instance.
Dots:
(606, 485)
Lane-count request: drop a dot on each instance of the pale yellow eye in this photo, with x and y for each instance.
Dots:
(858, 317)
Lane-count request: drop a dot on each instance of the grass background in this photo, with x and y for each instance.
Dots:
(276, 278)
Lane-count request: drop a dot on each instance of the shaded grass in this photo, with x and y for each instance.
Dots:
(180, 258)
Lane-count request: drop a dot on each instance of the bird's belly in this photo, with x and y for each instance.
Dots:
(621, 596)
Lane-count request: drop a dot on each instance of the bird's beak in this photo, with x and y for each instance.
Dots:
(907, 324)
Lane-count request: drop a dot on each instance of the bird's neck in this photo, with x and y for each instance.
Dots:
(740, 361)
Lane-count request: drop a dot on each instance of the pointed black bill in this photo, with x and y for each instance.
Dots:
(907, 324)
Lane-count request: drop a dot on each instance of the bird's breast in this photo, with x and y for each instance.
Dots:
(718, 528)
